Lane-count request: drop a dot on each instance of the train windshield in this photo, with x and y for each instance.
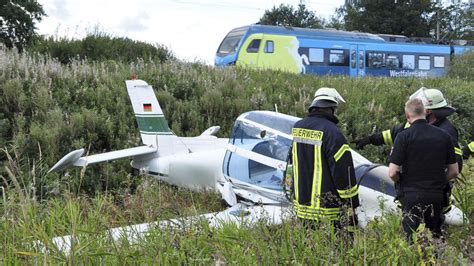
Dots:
(231, 42)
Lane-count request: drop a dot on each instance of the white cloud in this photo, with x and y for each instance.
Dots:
(57, 9)
(134, 24)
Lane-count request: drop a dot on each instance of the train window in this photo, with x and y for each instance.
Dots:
(408, 61)
(439, 61)
(253, 46)
(424, 62)
(375, 59)
(392, 62)
(361, 59)
(269, 47)
(336, 56)
(353, 58)
(316, 55)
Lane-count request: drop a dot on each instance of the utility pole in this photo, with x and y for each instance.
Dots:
(437, 25)
(437, 5)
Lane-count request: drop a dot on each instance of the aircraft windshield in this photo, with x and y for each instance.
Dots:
(280, 122)
(261, 142)
(231, 42)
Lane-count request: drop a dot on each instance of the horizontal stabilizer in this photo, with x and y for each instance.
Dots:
(74, 158)
(212, 131)
(67, 161)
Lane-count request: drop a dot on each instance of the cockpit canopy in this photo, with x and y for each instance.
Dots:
(259, 148)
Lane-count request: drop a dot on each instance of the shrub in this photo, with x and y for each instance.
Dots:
(462, 66)
(99, 47)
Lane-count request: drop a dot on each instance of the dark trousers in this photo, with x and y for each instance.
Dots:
(422, 206)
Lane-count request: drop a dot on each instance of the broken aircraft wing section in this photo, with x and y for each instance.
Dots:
(240, 215)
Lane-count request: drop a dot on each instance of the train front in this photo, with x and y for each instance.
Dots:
(228, 50)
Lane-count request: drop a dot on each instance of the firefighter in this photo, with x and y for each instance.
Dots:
(324, 178)
(468, 150)
(418, 161)
(437, 111)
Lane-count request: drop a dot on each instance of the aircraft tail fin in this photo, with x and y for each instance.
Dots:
(150, 118)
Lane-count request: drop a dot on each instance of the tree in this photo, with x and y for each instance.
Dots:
(404, 17)
(286, 15)
(336, 21)
(17, 22)
(453, 22)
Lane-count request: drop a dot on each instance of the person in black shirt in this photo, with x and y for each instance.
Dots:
(418, 161)
(437, 113)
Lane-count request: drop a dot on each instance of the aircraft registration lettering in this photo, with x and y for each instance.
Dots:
(307, 133)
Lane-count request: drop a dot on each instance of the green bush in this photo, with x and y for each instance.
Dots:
(462, 66)
(99, 47)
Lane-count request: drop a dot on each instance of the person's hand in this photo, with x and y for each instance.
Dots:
(466, 152)
(360, 143)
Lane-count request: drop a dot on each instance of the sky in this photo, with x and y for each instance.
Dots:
(191, 29)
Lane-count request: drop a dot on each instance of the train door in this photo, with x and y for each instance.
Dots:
(357, 60)
(250, 51)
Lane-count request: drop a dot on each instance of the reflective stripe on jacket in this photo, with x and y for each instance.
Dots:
(387, 137)
(323, 170)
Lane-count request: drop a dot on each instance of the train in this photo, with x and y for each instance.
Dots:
(334, 52)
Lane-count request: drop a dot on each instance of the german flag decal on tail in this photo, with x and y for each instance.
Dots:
(147, 107)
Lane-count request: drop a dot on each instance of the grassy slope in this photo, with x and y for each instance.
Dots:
(49, 109)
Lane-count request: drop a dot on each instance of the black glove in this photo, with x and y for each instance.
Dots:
(466, 152)
(360, 143)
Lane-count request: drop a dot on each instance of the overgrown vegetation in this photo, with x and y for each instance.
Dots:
(49, 109)
(99, 46)
(461, 66)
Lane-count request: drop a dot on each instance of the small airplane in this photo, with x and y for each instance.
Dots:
(250, 169)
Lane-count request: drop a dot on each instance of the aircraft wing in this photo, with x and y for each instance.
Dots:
(239, 215)
(75, 158)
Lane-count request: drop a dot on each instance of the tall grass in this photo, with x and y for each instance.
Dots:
(27, 239)
(48, 109)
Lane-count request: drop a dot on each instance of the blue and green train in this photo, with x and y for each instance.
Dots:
(332, 52)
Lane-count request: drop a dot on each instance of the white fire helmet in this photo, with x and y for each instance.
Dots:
(431, 98)
(326, 97)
